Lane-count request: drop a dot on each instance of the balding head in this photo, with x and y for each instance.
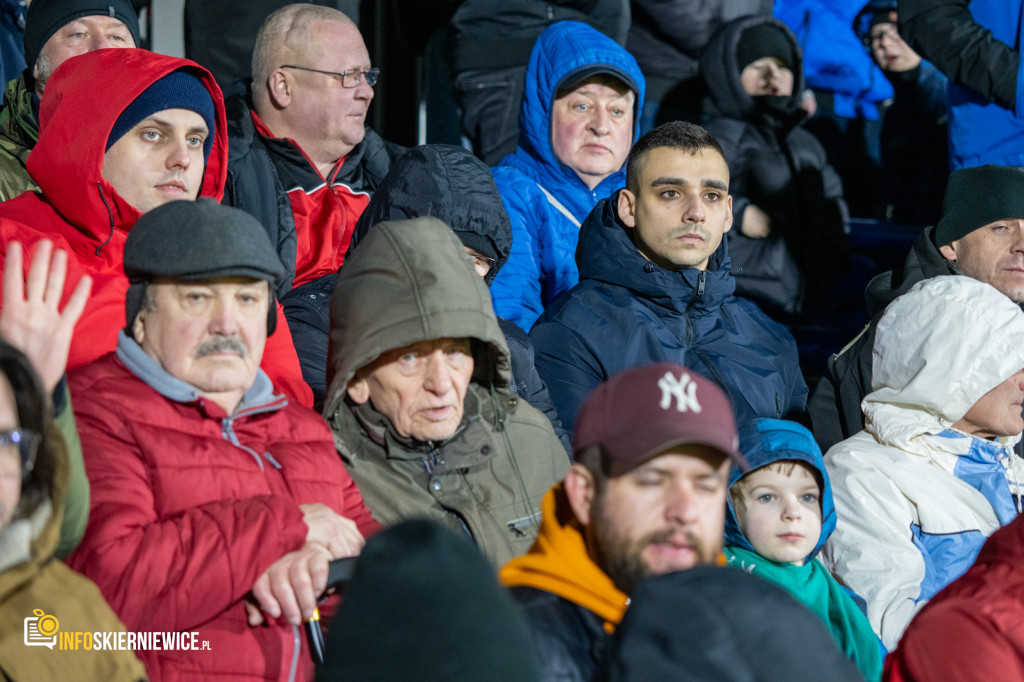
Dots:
(285, 36)
(310, 81)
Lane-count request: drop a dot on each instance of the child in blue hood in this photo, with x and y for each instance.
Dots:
(779, 515)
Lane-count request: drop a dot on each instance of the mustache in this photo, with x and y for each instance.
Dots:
(692, 229)
(221, 344)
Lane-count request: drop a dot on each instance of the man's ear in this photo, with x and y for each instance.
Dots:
(626, 208)
(580, 489)
(280, 88)
(949, 250)
(358, 390)
(138, 329)
(728, 220)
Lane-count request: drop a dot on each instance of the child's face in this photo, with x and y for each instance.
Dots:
(891, 53)
(781, 515)
(767, 76)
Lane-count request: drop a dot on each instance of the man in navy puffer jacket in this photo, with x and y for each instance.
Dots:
(655, 286)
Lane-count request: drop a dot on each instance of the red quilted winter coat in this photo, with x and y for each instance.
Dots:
(183, 520)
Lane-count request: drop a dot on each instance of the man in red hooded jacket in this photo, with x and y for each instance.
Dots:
(108, 154)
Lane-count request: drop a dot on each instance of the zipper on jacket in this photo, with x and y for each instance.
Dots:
(295, 656)
(700, 282)
(110, 216)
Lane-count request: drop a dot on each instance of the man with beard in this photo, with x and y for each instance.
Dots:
(645, 497)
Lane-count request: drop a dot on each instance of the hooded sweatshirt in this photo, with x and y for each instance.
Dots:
(763, 442)
(778, 166)
(545, 199)
(916, 498)
(486, 480)
(81, 212)
(627, 312)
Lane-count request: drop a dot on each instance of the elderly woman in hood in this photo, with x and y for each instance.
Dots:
(933, 473)
(418, 393)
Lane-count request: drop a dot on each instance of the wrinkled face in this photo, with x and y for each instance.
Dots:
(767, 76)
(998, 412)
(592, 128)
(420, 388)
(665, 515)
(320, 108)
(208, 334)
(10, 459)
(681, 209)
(159, 160)
(889, 50)
(993, 254)
(78, 37)
(780, 514)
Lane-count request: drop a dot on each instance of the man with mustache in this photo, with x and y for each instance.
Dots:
(646, 496)
(216, 503)
(656, 286)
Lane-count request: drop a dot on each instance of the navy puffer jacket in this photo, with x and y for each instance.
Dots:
(628, 312)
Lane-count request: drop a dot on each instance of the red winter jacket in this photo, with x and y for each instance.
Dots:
(80, 211)
(190, 506)
(974, 628)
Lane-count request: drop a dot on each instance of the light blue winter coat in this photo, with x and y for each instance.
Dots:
(545, 199)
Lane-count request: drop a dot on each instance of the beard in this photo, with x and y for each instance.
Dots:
(621, 557)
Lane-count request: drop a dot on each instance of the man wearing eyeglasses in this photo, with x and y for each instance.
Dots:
(302, 159)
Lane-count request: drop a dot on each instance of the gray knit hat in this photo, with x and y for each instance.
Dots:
(978, 196)
(197, 240)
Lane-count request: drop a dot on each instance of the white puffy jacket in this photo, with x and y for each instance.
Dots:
(916, 498)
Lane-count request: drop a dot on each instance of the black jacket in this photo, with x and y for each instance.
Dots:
(570, 640)
(945, 33)
(835, 406)
(449, 183)
(780, 167)
(712, 623)
(668, 39)
(494, 34)
(254, 186)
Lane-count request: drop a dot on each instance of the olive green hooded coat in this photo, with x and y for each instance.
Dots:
(411, 281)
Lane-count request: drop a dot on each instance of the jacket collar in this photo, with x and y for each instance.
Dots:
(260, 395)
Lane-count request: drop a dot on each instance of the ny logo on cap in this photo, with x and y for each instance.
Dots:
(683, 389)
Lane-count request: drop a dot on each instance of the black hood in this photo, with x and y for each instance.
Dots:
(448, 183)
(720, 69)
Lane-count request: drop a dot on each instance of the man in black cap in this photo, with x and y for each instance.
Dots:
(646, 496)
(55, 30)
(216, 503)
(980, 235)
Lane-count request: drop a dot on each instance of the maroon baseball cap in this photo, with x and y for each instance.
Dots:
(643, 411)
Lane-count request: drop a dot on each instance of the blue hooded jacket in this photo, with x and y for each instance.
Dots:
(628, 312)
(764, 441)
(544, 198)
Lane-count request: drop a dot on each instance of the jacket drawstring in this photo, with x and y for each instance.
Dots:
(110, 214)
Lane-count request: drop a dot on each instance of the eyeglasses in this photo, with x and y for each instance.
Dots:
(485, 262)
(24, 442)
(348, 79)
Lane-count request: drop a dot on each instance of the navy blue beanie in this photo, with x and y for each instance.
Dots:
(176, 90)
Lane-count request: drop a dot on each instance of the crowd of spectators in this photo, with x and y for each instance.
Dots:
(528, 408)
